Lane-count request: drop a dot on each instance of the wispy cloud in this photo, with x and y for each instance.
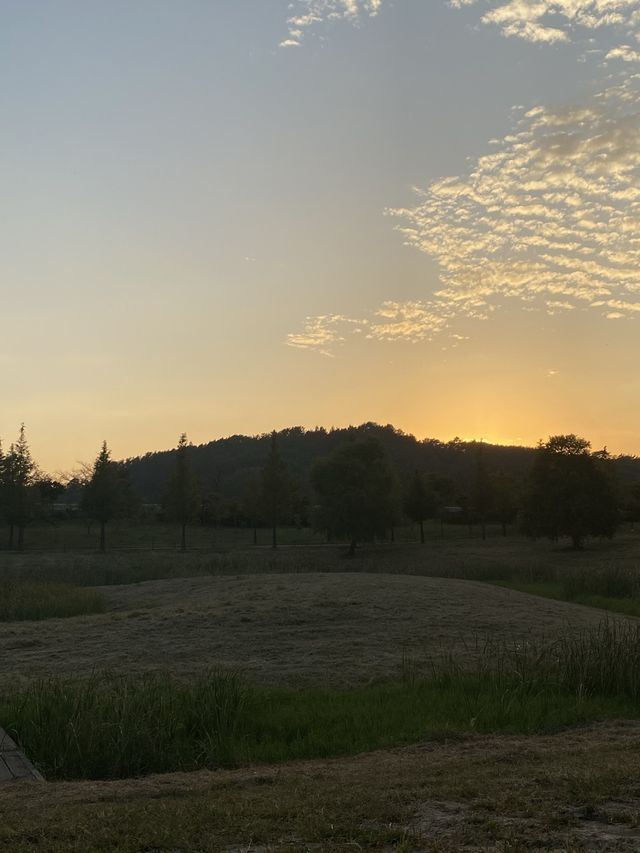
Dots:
(538, 21)
(550, 219)
(309, 13)
(552, 21)
(552, 215)
(324, 332)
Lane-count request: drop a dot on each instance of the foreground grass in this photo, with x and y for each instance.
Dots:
(122, 727)
(31, 599)
(576, 791)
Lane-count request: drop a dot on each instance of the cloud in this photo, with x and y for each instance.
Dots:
(553, 21)
(551, 216)
(537, 21)
(324, 331)
(549, 220)
(309, 13)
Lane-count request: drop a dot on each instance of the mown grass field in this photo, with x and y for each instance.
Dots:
(258, 660)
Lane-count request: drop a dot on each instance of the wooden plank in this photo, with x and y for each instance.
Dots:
(14, 764)
(6, 743)
(20, 766)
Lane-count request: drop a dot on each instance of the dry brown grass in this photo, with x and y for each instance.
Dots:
(327, 628)
(575, 791)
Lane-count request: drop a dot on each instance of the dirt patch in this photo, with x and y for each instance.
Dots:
(283, 629)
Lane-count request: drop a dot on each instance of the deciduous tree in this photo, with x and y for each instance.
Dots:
(570, 492)
(420, 502)
(358, 492)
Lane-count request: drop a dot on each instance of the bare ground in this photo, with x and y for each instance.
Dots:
(325, 628)
(573, 791)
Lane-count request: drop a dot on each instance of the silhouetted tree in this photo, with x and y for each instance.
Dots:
(19, 476)
(102, 495)
(420, 502)
(357, 490)
(252, 506)
(182, 499)
(570, 492)
(505, 499)
(275, 490)
(480, 499)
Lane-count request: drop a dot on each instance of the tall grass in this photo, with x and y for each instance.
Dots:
(31, 599)
(108, 727)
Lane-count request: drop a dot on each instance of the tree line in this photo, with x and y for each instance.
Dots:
(354, 493)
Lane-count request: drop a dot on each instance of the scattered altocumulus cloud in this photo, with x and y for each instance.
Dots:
(308, 13)
(551, 21)
(549, 219)
(538, 21)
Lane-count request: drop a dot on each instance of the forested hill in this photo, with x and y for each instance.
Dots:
(228, 466)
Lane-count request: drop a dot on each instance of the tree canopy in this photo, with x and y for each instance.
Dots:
(357, 490)
(570, 492)
(420, 502)
(182, 497)
(102, 496)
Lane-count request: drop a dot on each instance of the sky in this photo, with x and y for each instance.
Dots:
(230, 216)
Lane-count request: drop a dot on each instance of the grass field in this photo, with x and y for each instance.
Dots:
(441, 645)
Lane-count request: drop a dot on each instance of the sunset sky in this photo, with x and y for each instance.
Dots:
(229, 216)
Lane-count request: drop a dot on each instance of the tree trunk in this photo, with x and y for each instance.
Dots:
(274, 540)
(11, 535)
(504, 529)
(183, 538)
(393, 535)
(103, 537)
(421, 532)
(483, 528)
(352, 548)
(21, 537)
(255, 535)
(576, 540)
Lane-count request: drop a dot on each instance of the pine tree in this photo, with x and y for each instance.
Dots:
(276, 490)
(182, 499)
(19, 478)
(101, 499)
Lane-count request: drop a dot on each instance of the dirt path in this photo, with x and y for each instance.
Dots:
(285, 629)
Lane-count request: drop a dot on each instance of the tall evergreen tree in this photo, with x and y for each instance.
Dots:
(275, 491)
(101, 498)
(182, 497)
(19, 478)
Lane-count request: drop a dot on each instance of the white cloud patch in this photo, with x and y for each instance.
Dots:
(537, 21)
(553, 21)
(549, 219)
(310, 13)
(325, 332)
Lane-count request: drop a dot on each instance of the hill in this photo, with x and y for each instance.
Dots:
(227, 466)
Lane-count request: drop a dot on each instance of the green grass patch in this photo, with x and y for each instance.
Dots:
(31, 599)
(107, 727)
(557, 591)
